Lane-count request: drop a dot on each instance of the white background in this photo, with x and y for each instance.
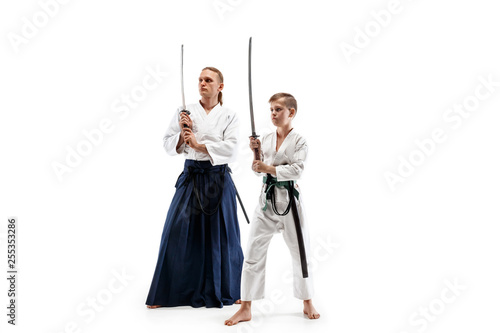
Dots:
(387, 253)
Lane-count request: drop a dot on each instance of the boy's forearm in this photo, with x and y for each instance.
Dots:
(289, 172)
(271, 169)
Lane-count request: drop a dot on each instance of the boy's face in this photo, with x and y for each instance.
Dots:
(208, 84)
(280, 114)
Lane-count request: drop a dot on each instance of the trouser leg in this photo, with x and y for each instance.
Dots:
(254, 265)
(302, 287)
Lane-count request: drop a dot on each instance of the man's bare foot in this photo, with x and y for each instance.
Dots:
(243, 314)
(238, 302)
(154, 306)
(309, 310)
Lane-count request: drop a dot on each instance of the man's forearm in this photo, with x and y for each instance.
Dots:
(180, 142)
(201, 148)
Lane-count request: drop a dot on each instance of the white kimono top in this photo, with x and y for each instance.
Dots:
(289, 159)
(218, 131)
(289, 162)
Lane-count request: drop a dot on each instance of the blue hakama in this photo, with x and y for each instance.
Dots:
(200, 258)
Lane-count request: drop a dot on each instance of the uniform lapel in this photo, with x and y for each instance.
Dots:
(278, 157)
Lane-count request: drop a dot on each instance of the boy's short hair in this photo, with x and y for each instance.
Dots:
(290, 101)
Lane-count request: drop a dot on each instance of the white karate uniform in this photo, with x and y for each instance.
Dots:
(289, 162)
(217, 130)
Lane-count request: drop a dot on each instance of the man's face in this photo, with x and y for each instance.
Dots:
(208, 84)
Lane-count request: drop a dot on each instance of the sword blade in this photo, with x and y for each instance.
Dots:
(182, 77)
(254, 135)
(250, 85)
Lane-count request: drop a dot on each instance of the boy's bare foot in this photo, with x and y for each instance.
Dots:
(154, 306)
(238, 302)
(243, 314)
(309, 310)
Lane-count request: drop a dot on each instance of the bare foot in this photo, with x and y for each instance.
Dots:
(243, 314)
(309, 310)
(154, 306)
(238, 302)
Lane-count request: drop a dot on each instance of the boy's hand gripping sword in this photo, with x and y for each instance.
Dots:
(182, 84)
(254, 135)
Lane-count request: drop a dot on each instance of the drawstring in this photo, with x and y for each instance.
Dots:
(191, 177)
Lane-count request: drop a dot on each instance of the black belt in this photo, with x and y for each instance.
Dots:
(289, 185)
(222, 171)
(192, 171)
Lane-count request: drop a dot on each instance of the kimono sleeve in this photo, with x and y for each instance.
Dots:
(171, 137)
(293, 170)
(222, 152)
